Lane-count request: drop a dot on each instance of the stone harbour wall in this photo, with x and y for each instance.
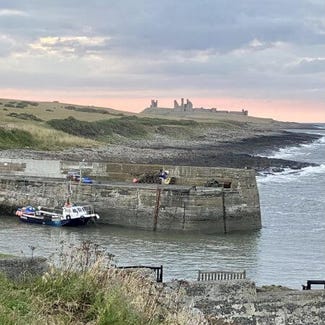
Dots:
(185, 206)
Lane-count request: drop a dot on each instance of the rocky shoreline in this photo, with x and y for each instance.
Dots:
(237, 151)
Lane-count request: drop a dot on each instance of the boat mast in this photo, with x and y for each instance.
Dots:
(69, 192)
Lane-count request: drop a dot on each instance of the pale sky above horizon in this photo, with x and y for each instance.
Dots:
(264, 56)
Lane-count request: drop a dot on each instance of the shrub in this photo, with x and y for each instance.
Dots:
(25, 116)
(82, 286)
(16, 138)
(21, 105)
(127, 126)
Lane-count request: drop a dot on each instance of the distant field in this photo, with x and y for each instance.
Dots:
(55, 126)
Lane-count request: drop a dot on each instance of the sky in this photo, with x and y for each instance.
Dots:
(264, 56)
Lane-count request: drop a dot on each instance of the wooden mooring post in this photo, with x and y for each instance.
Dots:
(220, 275)
(157, 206)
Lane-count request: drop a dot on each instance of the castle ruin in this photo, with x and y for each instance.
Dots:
(187, 107)
(183, 107)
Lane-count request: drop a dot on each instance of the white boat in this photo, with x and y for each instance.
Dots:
(68, 215)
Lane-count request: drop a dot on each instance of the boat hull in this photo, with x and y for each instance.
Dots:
(55, 223)
(69, 215)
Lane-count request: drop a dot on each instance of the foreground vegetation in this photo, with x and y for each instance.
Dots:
(84, 288)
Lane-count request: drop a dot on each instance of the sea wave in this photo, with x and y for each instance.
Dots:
(313, 170)
(289, 175)
(321, 140)
(290, 152)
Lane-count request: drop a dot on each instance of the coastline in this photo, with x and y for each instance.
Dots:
(243, 150)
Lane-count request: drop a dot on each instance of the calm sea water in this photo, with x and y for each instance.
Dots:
(288, 250)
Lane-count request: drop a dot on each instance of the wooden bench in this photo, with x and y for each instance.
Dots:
(220, 275)
(310, 282)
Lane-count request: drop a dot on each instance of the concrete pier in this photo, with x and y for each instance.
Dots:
(186, 206)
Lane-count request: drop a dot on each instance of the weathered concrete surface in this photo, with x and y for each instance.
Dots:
(30, 167)
(185, 175)
(240, 302)
(186, 206)
(18, 268)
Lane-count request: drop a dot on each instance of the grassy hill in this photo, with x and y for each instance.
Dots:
(25, 124)
(55, 126)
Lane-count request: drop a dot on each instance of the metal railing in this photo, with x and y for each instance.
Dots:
(313, 282)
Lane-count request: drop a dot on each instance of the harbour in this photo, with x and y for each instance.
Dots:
(287, 251)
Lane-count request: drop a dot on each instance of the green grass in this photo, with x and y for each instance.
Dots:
(15, 138)
(37, 137)
(91, 110)
(127, 126)
(25, 116)
(57, 134)
(49, 126)
(83, 288)
(6, 256)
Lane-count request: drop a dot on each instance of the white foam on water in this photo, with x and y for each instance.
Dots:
(321, 140)
(289, 175)
(313, 170)
(284, 177)
(291, 152)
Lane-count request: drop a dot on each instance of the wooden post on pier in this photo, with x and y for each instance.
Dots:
(224, 213)
(156, 213)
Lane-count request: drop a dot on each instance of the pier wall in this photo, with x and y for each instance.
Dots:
(185, 206)
(240, 302)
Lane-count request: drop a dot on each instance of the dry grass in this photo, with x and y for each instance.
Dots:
(47, 138)
(52, 139)
(54, 110)
(82, 286)
(147, 300)
(33, 117)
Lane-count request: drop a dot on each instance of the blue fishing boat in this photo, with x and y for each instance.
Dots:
(68, 215)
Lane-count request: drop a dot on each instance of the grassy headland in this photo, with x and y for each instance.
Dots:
(55, 126)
